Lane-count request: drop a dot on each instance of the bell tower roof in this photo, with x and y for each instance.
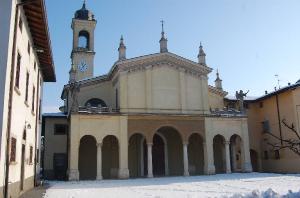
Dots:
(84, 14)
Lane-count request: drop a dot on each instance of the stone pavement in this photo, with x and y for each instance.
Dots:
(37, 192)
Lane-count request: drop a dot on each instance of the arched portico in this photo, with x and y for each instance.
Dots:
(219, 154)
(196, 154)
(136, 153)
(236, 153)
(110, 157)
(87, 163)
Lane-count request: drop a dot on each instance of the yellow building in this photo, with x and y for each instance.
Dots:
(273, 113)
(152, 115)
(26, 63)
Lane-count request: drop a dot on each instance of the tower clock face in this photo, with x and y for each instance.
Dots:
(82, 66)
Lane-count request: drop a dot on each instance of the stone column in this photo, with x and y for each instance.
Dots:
(227, 154)
(142, 157)
(166, 160)
(185, 160)
(99, 161)
(150, 169)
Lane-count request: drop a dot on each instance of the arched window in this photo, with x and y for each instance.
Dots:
(83, 39)
(95, 102)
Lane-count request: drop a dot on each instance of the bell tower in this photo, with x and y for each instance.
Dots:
(83, 26)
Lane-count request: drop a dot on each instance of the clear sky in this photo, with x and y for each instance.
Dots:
(249, 41)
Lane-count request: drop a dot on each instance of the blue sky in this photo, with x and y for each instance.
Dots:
(249, 41)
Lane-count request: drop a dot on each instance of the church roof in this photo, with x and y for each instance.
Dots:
(84, 14)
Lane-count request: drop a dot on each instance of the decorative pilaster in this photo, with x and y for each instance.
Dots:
(99, 161)
(150, 168)
(185, 160)
(227, 151)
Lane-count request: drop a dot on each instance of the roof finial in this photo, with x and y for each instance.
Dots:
(162, 28)
(83, 5)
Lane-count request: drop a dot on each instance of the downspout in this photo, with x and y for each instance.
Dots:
(279, 119)
(10, 99)
(36, 125)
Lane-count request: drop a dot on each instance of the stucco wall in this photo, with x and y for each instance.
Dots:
(53, 143)
(288, 108)
(163, 89)
(22, 114)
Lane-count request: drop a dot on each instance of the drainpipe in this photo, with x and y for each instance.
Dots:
(279, 119)
(37, 117)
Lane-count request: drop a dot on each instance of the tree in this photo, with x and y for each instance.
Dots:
(292, 143)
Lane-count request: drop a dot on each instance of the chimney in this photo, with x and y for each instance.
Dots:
(266, 92)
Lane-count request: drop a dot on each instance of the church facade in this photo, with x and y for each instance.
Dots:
(153, 115)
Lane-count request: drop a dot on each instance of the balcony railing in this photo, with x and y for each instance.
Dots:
(97, 110)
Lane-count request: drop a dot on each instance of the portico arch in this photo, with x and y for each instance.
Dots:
(196, 154)
(236, 153)
(136, 153)
(110, 157)
(170, 138)
(219, 154)
(87, 163)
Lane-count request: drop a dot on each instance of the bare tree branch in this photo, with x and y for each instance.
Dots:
(292, 144)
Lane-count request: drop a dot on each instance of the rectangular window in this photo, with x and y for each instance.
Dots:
(17, 80)
(34, 65)
(33, 99)
(261, 105)
(13, 148)
(117, 105)
(266, 155)
(30, 154)
(37, 155)
(60, 129)
(28, 48)
(27, 84)
(266, 126)
(20, 24)
(40, 109)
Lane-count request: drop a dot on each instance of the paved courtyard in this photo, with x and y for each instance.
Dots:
(223, 185)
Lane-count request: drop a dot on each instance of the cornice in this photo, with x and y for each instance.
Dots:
(217, 91)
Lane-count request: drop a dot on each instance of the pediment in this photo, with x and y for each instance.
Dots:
(162, 60)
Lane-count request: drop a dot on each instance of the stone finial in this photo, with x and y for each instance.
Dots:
(201, 55)
(122, 49)
(163, 41)
(218, 81)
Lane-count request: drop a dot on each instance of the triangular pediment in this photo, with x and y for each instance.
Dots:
(162, 59)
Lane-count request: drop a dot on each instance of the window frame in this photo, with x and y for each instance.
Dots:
(56, 126)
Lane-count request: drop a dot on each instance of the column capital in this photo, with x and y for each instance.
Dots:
(227, 142)
(99, 144)
(185, 143)
(149, 144)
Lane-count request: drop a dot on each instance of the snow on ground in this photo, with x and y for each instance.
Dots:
(223, 185)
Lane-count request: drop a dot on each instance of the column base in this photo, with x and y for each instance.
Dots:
(73, 175)
(99, 178)
(186, 174)
(210, 170)
(123, 173)
(247, 167)
(150, 176)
